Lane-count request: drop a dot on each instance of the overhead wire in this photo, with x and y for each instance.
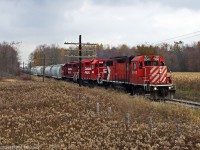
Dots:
(185, 36)
(191, 36)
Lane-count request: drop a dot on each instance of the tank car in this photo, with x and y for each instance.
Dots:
(39, 70)
(48, 71)
(57, 71)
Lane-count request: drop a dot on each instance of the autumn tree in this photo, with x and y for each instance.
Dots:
(179, 57)
(146, 50)
(192, 58)
(9, 58)
(53, 55)
(124, 50)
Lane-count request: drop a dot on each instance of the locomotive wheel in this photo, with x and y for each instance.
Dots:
(133, 92)
(154, 95)
(91, 84)
(75, 78)
(107, 85)
(140, 91)
(171, 95)
(128, 89)
(99, 80)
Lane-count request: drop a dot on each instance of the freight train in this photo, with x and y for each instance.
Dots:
(139, 75)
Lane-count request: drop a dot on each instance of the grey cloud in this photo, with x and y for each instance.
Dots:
(37, 22)
(189, 4)
(34, 18)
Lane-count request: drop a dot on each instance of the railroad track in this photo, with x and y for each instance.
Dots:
(186, 102)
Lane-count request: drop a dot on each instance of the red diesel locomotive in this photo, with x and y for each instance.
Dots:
(143, 75)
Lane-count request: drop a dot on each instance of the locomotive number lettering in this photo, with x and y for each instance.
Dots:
(87, 72)
(134, 72)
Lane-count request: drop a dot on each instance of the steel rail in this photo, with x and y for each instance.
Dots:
(191, 103)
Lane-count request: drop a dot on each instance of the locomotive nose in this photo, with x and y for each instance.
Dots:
(158, 74)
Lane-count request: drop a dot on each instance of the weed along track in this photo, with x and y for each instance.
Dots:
(63, 115)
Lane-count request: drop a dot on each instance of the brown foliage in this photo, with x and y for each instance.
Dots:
(8, 58)
(53, 115)
(53, 55)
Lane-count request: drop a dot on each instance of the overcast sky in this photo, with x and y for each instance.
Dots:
(113, 22)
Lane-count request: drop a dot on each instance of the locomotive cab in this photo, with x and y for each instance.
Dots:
(71, 70)
(98, 70)
(150, 73)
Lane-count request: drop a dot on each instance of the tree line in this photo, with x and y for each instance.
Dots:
(179, 57)
(9, 58)
(53, 54)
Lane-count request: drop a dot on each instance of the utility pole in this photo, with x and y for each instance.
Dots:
(43, 66)
(80, 56)
(23, 66)
(30, 69)
(43, 60)
(80, 61)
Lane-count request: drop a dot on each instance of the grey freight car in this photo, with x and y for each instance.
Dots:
(39, 70)
(57, 71)
(48, 71)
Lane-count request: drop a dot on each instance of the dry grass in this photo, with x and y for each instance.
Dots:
(188, 85)
(51, 115)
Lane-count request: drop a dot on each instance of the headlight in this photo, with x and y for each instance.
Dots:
(155, 88)
(170, 87)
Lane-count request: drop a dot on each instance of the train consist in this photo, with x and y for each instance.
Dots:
(141, 75)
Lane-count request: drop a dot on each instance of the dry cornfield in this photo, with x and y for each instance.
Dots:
(61, 115)
(188, 85)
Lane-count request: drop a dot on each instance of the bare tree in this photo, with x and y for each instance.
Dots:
(9, 58)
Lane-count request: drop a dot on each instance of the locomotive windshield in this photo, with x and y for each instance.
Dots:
(151, 63)
(109, 63)
(101, 64)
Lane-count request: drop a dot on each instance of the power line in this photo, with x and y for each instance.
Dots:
(185, 36)
(191, 36)
(80, 44)
(177, 37)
